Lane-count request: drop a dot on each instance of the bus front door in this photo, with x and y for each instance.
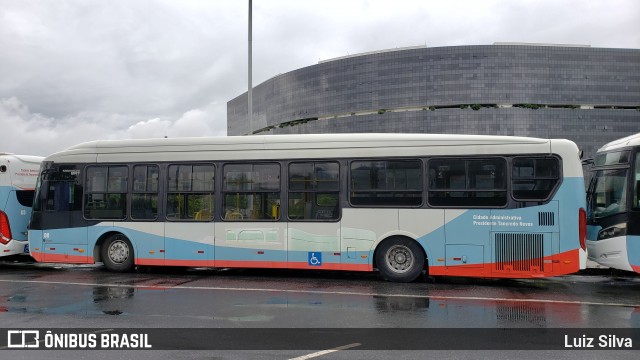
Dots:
(64, 238)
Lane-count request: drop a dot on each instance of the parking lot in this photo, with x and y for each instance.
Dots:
(45, 296)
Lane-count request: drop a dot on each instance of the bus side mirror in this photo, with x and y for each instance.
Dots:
(44, 188)
(637, 197)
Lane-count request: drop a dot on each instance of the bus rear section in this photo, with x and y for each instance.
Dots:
(614, 205)
(537, 228)
(18, 176)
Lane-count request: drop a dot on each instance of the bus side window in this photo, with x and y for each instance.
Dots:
(313, 191)
(459, 182)
(386, 183)
(60, 196)
(25, 197)
(190, 194)
(144, 201)
(106, 192)
(251, 191)
(534, 179)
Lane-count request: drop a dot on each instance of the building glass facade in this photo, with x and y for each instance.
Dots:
(588, 95)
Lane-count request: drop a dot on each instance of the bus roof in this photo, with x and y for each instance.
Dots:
(325, 140)
(273, 147)
(20, 171)
(22, 158)
(631, 140)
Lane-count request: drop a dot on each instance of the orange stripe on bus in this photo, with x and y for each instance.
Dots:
(564, 263)
(252, 264)
(62, 258)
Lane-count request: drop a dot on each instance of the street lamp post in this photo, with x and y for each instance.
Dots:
(250, 92)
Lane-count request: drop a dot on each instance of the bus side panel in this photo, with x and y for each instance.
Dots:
(18, 216)
(524, 242)
(467, 241)
(362, 230)
(189, 244)
(633, 252)
(35, 244)
(499, 243)
(633, 227)
(20, 175)
(64, 245)
(250, 244)
(428, 227)
(14, 247)
(316, 245)
(146, 238)
(572, 197)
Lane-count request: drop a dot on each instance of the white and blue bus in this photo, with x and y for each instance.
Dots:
(613, 198)
(18, 176)
(456, 205)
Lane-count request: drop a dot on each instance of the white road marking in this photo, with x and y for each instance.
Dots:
(320, 292)
(325, 352)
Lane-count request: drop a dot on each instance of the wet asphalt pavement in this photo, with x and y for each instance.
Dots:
(64, 296)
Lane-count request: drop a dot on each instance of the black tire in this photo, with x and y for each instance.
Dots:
(117, 253)
(400, 259)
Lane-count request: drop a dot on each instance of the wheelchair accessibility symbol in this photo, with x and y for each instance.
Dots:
(315, 259)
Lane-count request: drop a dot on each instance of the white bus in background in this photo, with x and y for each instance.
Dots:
(18, 176)
(613, 199)
(454, 205)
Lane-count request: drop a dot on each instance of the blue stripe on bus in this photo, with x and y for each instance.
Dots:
(473, 227)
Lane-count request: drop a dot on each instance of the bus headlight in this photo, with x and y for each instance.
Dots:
(613, 231)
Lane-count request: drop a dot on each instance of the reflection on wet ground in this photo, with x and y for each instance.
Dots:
(276, 298)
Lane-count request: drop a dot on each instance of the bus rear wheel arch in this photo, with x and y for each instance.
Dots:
(400, 259)
(117, 254)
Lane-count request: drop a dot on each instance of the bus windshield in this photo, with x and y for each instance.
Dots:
(609, 193)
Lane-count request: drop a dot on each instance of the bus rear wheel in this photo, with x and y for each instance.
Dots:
(117, 253)
(400, 259)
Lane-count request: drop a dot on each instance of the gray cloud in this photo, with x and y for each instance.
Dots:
(79, 70)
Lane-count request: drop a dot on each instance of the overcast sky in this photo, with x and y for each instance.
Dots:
(75, 71)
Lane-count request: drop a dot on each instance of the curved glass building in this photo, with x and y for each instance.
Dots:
(589, 95)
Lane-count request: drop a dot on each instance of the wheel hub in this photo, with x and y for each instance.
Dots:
(118, 252)
(399, 259)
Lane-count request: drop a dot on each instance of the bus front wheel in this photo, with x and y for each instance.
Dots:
(400, 259)
(117, 253)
